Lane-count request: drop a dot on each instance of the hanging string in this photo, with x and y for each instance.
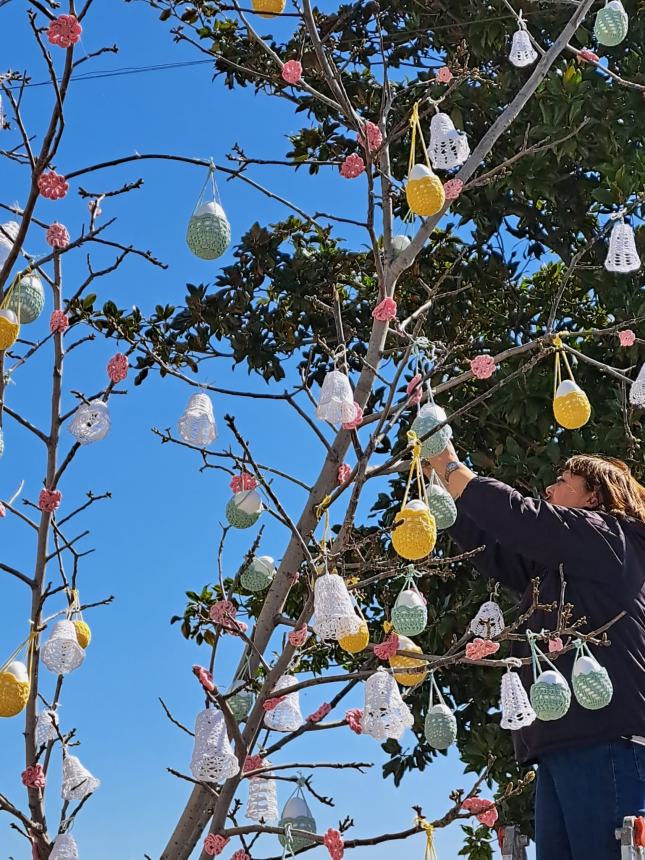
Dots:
(428, 829)
(415, 125)
(416, 470)
(559, 351)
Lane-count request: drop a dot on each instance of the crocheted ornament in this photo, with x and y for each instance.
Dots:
(414, 390)
(8, 233)
(223, 612)
(418, 668)
(62, 653)
(197, 425)
(612, 24)
(385, 311)
(117, 367)
(443, 75)
(213, 758)
(64, 848)
(354, 643)
(637, 389)
(319, 714)
(209, 232)
(26, 299)
(489, 621)
(9, 328)
(297, 638)
(550, 695)
(46, 723)
(448, 147)
(214, 844)
(52, 185)
(415, 531)
(334, 843)
(356, 421)
(424, 191)
(57, 236)
(49, 500)
(252, 762)
(374, 137)
(292, 71)
(441, 505)
(64, 31)
(336, 402)
(14, 689)
(262, 802)
(241, 702)
(296, 815)
(58, 322)
(91, 422)
(385, 714)
(453, 188)
(483, 366)
(268, 8)
(240, 855)
(409, 613)
(33, 777)
(334, 612)
(344, 472)
(78, 782)
(388, 647)
(259, 574)
(485, 810)
(522, 51)
(399, 244)
(286, 716)
(204, 677)
(440, 726)
(627, 337)
(592, 686)
(428, 418)
(352, 166)
(479, 649)
(354, 719)
(588, 56)
(622, 255)
(244, 481)
(555, 645)
(515, 706)
(83, 633)
(571, 406)
(244, 509)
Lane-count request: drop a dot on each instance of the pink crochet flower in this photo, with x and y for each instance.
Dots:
(49, 500)
(344, 471)
(320, 714)
(357, 419)
(352, 167)
(374, 137)
(479, 649)
(57, 236)
(64, 31)
(588, 56)
(453, 188)
(387, 648)
(354, 718)
(252, 762)
(385, 311)
(292, 72)
(414, 390)
(555, 645)
(3, 511)
(204, 677)
(117, 367)
(243, 482)
(52, 185)
(214, 844)
(485, 810)
(483, 366)
(298, 637)
(444, 75)
(240, 854)
(334, 843)
(58, 322)
(627, 337)
(33, 777)
(272, 704)
(223, 613)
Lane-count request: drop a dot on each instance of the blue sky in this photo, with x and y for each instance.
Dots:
(158, 535)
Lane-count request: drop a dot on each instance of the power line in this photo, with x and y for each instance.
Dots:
(127, 70)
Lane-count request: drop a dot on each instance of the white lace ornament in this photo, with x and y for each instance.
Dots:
(7, 239)
(516, 708)
(197, 424)
(448, 147)
(45, 728)
(385, 714)
(262, 803)
(622, 256)
(61, 652)
(637, 389)
(334, 613)
(489, 621)
(64, 848)
(286, 716)
(213, 757)
(78, 782)
(91, 422)
(522, 51)
(336, 402)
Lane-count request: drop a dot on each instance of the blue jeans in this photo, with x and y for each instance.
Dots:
(582, 795)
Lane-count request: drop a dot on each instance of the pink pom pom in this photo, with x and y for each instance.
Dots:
(555, 645)
(297, 638)
(117, 367)
(414, 390)
(57, 236)
(344, 472)
(356, 421)
(292, 72)
(52, 185)
(33, 777)
(588, 56)
(204, 677)
(58, 322)
(444, 75)
(354, 719)
(483, 366)
(627, 337)
(272, 704)
(3, 511)
(243, 482)
(479, 649)
(387, 648)
(374, 137)
(64, 31)
(49, 500)
(223, 613)
(485, 810)
(453, 188)
(320, 714)
(385, 311)
(334, 843)
(252, 762)
(352, 167)
(214, 844)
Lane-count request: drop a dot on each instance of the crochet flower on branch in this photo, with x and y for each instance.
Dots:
(483, 366)
(117, 367)
(387, 648)
(627, 337)
(204, 677)
(485, 810)
(58, 322)
(479, 649)
(223, 613)
(57, 236)
(242, 482)
(292, 72)
(33, 777)
(372, 133)
(414, 390)
(252, 762)
(588, 56)
(344, 472)
(64, 31)
(52, 185)
(319, 714)
(272, 704)
(334, 844)
(385, 311)
(354, 719)
(297, 638)
(214, 844)
(352, 166)
(453, 188)
(356, 421)
(444, 75)
(556, 644)
(49, 500)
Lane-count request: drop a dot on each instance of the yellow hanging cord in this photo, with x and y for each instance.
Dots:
(428, 829)
(559, 351)
(416, 470)
(29, 642)
(415, 125)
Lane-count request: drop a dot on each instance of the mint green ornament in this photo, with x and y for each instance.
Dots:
(612, 24)
(428, 417)
(296, 815)
(259, 574)
(241, 702)
(440, 726)
(27, 299)
(441, 504)
(592, 685)
(409, 613)
(243, 510)
(209, 233)
(549, 694)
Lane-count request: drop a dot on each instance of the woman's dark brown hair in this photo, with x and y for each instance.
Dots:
(617, 490)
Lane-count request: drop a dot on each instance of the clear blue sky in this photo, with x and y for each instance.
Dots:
(158, 536)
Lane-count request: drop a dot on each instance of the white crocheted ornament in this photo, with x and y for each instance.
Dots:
(91, 422)
(336, 402)
(61, 653)
(448, 147)
(385, 714)
(334, 613)
(286, 716)
(262, 803)
(522, 51)
(45, 727)
(197, 424)
(64, 848)
(622, 255)
(213, 758)
(516, 708)
(78, 782)
(489, 621)
(637, 389)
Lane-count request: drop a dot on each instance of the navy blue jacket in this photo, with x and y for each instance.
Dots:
(604, 566)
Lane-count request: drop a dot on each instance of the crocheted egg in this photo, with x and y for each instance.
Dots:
(415, 531)
(571, 406)
(83, 633)
(612, 24)
(399, 244)
(442, 506)
(354, 643)
(409, 614)
(259, 574)
(243, 510)
(27, 299)
(424, 191)
(296, 812)
(9, 328)
(209, 233)
(14, 689)
(269, 8)
(429, 416)
(241, 703)
(550, 696)
(592, 685)
(440, 727)
(418, 668)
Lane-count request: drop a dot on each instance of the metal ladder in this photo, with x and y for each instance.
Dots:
(515, 843)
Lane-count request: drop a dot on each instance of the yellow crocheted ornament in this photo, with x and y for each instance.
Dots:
(420, 667)
(356, 642)
(414, 534)
(571, 406)
(83, 633)
(13, 694)
(424, 191)
(269, 8)
(9, 331)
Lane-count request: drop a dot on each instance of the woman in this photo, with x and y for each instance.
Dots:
(591, 764)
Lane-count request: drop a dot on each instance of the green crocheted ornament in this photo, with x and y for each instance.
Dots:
(593, 690)
(209, 233)
(259, 574)
(429, 416)
(612, 24)
(27, 299)
(409, 620)
(440, 727)
(241, 704)
(302, 822)
(237, 516)
(550, 701)
(442, 506)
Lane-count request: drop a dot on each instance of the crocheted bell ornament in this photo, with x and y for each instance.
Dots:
(448, 147)
(27, 299)
(418, 669)
(399, 244)
(441, 506)
(296, 815)
(268, 8)
(592, 685)
(91, 422)
(622, 255)
(64, 848)
(415, 531)
(336, 402)
(241, 702)
(612, 24)
(243, 510)
(61, 653)
(46, 723)
(489, 621)
(571, 406)
(262, 802)
(9, 328)
(637, 389)
(258, 576)
(385, 714)
(516, 708)
(209, 232)
(286, 716)
(333, 609)
(197, 425)
(14, 689)
(550, 695)
(409, 613)
(522, 51)
(213, 758)
(8, 236)
(78, 782)
(440, 726)
(424, 191)
(354, 643)
(430, 415)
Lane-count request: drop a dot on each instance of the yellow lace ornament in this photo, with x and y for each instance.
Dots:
(415, 530)
(424, 190)
(571, 406)
(418, 668)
